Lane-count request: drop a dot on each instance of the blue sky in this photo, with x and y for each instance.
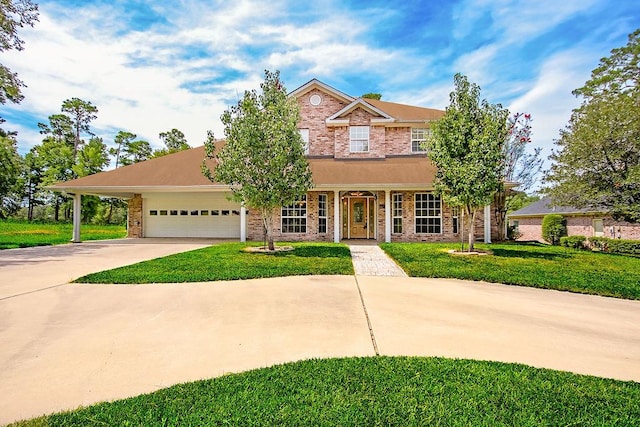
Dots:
(153, 65)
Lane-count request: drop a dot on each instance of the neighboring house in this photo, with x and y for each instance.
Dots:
(583, 222)
(372, 180)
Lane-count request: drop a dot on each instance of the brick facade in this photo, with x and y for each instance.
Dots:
(255, 229)
(530, 228)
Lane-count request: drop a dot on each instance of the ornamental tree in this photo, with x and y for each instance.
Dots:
(262, 159)
(597, 164)
(466, 146)
(520, 167)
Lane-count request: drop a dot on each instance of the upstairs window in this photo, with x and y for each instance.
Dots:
(304, 133)
(359, 139)
(418, 138)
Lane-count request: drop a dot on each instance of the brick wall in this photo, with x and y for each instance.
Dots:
(360, 117)
(312, 117)
(397, 141)
(531, 228)
(255, 229)
(135, 225)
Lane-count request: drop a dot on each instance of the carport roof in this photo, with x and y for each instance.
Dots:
(182, 172)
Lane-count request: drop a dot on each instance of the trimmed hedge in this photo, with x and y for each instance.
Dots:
(616, 246)
(553, 228)
(575, 242)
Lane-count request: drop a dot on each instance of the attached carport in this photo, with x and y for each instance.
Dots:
(167, 197)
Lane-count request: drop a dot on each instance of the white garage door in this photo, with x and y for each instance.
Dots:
(190, 215)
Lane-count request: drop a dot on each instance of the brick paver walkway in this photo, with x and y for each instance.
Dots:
(370, 260)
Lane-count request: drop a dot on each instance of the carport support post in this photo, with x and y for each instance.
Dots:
(77, 214)
(243, 224)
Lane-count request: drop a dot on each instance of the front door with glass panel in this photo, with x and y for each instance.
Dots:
(358, 218)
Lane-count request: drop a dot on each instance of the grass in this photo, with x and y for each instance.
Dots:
(23, 234)
(535, 265)
(378, 391)
(229, 261)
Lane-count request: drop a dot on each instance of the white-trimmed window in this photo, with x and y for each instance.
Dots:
(418, 138)
(455, 219)
(428, 213)
(397, 212)
(294, 216)
(304, 133)
(359, 139)
(322, 213)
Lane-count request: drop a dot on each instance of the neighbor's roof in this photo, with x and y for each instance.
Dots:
(543, 207)
(181, 171)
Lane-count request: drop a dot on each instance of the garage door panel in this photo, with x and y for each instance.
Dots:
(185, 215)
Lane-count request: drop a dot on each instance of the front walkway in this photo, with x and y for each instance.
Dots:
(370, 260)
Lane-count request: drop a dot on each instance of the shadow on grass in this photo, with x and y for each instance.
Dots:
(509, 253)
(317, 251)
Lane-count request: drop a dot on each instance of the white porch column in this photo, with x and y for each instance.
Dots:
(243, 224)
(487, 224)
(77, 214)
(387, 216)
(336, 216)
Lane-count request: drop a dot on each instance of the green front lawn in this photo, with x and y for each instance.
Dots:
(229, 261)
(379, 391)
(23, 234)
(536, 265)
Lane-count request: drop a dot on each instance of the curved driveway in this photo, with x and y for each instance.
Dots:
(65, 345)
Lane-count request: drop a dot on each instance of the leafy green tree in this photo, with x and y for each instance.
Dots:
(128, 150)
(553, 228)
(263, 158)
(14, 14)
(519, 166)
(372, 95)
(56, 161)
(32, 176)
(597, 164)
(174, 141)
(81, 113)
(10, 171)
(467, 148)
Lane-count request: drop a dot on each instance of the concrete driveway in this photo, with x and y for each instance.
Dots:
(63, 346)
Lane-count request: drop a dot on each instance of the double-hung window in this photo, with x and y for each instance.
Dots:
(294, 216)
(359, 139)
(304, 133)
(322, 213)
(418, 139)
(397, 212)
(428, 213)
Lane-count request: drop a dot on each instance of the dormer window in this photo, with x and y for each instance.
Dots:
(418, 138)
(359, 139)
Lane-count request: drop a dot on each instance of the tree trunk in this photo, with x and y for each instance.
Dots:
(267, 221)
(472, 229)
(56, 211)
(500, 213)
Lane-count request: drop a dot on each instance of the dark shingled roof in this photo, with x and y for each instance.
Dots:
(543, 207)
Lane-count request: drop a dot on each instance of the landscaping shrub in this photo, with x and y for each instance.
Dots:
(616, 246)
(553, 227)
(513, 233)
(574, 242)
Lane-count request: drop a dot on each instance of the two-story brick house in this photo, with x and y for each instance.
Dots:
(372, 180)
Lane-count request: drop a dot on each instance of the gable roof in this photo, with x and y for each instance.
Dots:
(543, 207)
(317, 84)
